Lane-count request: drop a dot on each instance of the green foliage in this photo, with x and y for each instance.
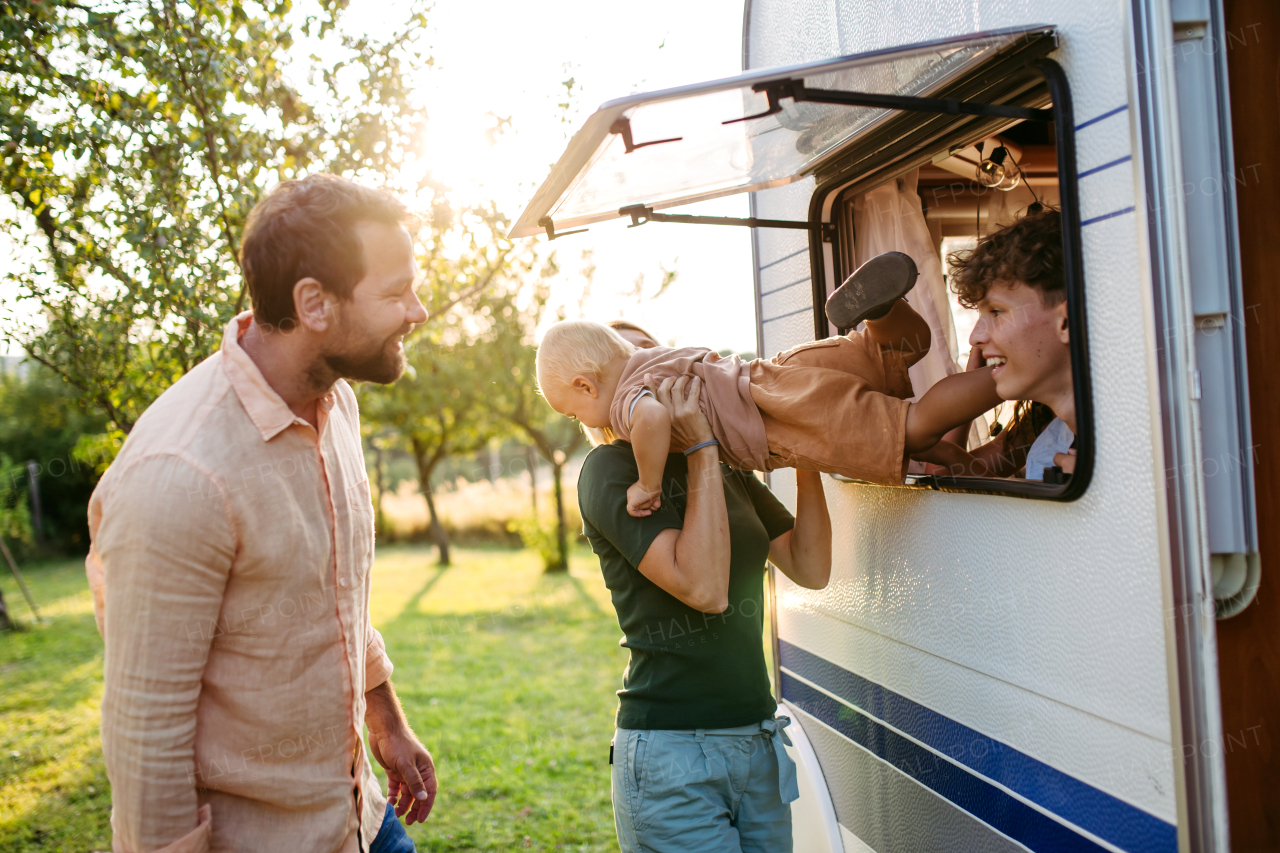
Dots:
(41, 420)
(15, 512)
(517, 401)
(460, 362)
(540, 538)
(138, 134)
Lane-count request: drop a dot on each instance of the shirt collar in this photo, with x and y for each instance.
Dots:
(265, 408)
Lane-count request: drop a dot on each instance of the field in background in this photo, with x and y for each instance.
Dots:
(480, 512)
(506, 673)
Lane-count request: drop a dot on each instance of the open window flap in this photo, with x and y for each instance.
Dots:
(681, 151)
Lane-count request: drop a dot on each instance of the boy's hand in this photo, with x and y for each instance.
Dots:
(642, 501)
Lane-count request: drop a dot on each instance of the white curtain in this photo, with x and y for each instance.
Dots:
(891, 219)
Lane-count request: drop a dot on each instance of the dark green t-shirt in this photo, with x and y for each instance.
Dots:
(688, 669)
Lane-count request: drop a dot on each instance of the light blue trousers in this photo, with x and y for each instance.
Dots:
(704, 790)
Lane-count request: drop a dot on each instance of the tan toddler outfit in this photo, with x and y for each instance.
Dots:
(837, 405)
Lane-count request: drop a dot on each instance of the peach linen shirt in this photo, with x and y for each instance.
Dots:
(231, 547)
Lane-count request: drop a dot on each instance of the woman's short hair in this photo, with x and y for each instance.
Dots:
(307, 229)
(628, 326)
(578, 348)
(1029, 251)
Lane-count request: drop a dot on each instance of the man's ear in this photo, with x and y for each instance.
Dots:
(586, 385)
(313, 304)
(1060, 316)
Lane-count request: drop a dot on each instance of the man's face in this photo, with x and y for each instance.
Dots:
(367, 343)
(1028, 340)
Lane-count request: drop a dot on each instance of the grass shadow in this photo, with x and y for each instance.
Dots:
(411, 605)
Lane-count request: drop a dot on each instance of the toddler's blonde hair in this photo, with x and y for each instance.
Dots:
(577, 348)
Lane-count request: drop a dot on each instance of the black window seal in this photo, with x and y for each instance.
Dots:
(1059, 92)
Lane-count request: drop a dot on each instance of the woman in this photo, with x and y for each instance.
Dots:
(698, 759)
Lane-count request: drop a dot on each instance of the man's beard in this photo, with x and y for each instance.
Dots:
(364, 361)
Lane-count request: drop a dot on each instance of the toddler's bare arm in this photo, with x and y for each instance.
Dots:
(651, 442)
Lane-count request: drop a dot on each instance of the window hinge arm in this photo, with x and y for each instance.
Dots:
(640, 214)
(776, 90)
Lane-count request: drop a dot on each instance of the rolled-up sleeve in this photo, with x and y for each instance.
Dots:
(377, 666)
(164, 546)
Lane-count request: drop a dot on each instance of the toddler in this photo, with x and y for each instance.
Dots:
(837, 405)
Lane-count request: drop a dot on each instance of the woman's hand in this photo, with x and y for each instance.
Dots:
(1066, 461)
(681, 397)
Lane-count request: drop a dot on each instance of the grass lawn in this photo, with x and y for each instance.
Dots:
(506, 674)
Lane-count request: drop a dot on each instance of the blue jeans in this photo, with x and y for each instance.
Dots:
(391, 837)
(704, 790)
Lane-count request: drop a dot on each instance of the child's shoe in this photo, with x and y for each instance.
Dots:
(872, 289)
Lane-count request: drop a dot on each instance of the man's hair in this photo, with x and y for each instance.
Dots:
(1028, 252)
(577, 347)
(627, 326)
(306, 229)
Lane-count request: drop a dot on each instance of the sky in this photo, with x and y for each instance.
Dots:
(508, 59)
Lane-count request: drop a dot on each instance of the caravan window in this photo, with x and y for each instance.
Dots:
(932, 212)
(933, 202)
(903, 126)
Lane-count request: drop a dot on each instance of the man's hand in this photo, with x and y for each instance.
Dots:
(641, 500)
(411, 774)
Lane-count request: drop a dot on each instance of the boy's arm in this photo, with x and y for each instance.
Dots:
(651, 442)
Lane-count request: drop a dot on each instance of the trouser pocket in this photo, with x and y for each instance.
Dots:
(638, 747)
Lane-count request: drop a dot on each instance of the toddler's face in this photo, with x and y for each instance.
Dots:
(581, 400)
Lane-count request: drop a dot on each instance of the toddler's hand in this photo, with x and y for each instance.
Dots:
(641, 501)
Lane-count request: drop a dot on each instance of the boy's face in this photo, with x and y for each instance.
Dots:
(1028, 340)
(581, 400)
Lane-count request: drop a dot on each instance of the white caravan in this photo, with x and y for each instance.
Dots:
(998, 664)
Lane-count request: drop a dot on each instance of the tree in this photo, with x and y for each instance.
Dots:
(555, 437)
(41, 422)
(136, 136)
(15, 524)
(440, 408)
(437, 410)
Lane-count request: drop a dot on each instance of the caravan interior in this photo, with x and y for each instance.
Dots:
(998, 663)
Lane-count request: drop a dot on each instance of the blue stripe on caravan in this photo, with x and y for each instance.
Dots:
(980, 798)
(1121, 212)
(1107, 817)
(1107, 114)
(1087, 172)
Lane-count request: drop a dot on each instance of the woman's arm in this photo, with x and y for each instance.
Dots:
(692, 563)
(803, 553)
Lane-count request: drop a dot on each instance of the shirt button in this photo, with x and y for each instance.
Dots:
(342, 582)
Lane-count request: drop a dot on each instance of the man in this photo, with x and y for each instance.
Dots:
(231, 545)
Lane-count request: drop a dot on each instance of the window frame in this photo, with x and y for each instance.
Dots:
(845, 172)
